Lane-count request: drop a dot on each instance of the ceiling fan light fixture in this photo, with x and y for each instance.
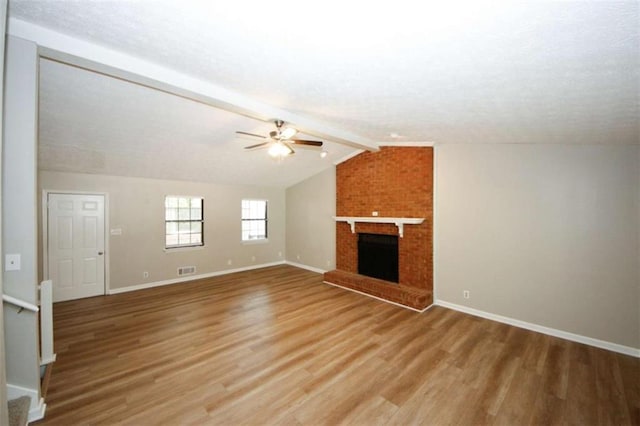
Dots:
(280, 141)
(288, 133)
(279, 150)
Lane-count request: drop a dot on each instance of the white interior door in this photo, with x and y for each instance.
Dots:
(75, 245)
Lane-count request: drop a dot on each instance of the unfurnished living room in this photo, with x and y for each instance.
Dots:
(308, 213)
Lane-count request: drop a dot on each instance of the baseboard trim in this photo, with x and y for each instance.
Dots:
(307, 267)
(602, 344)
(378, 298)
(37, 407)
(191, 278)
(38, 412)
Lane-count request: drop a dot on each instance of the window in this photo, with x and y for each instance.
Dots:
(183, 221)
(254, 220)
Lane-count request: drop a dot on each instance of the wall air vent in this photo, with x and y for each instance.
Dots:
(186, 270)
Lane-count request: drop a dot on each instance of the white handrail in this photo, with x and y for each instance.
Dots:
(20, 303)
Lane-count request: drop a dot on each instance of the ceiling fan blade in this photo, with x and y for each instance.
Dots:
(251, 134)
(256, 146)
(304, 142)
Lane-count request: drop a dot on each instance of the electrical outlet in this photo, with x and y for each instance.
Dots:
(253, 258)
(279, 254)
(229, 262)
(465, 294)
(145, 274)
(328, 263)
(297, 257)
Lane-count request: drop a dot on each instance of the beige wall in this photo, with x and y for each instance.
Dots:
(311, 230)
(136, 206)
(544, 234)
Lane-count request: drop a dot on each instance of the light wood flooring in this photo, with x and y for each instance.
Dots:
(277, 346)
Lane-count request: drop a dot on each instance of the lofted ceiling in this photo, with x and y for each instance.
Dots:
(92, 123)
(379, 72)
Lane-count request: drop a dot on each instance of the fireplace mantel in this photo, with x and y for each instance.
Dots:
(398, 221)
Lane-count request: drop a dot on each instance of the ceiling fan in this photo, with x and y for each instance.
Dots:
(280, 141)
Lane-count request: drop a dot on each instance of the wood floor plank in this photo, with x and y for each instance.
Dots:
(433, 395)
(610, 389)
(556, 371)
(549, 410)
(277, 346)
(582, 399)
(630, 371)
(520, 397)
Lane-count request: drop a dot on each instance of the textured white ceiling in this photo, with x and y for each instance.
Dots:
(445, 72)
(97, 124)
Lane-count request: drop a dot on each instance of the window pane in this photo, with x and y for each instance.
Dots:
(196, 214)
(171, 202)
(171, 214)
(171, 228)
(184, 227)
(184, 239)
(183, 202)
(247, 233)
(196, 227)
(254, 209)
(171, 240)
(183, 214)
(196, 203)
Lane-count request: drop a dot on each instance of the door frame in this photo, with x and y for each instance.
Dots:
(45, 232)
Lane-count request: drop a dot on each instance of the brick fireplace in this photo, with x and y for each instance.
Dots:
(395, 182)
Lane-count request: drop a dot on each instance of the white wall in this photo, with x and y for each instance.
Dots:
(19, 215)
(544, 234)
(311, 230)
(136, 206)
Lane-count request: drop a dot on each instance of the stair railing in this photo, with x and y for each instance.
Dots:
(21, 304)
(46, 318)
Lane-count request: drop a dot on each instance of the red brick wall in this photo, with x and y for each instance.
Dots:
(395, 182)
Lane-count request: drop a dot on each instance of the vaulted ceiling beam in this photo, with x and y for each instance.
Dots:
(63, 48)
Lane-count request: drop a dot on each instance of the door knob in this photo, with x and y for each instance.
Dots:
(100, 253)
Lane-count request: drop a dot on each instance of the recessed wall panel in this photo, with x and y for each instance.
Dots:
(65, 273)
(89, 270)
(90, 232)
(65, 232)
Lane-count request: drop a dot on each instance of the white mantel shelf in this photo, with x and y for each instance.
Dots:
(397, 221)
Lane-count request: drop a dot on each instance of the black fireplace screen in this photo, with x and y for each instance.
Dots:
(378, 256)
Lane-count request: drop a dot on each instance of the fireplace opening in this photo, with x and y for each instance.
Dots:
(378, 256)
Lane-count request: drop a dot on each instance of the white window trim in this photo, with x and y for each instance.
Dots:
(183, 248)
(256, 241)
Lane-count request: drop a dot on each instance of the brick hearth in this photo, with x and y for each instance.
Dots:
(395, 182)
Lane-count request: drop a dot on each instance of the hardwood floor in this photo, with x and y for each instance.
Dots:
(277, 346)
